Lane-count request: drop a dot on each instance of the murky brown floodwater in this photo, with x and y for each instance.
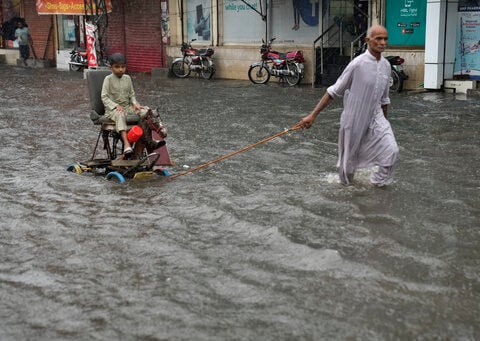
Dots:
(266, 245)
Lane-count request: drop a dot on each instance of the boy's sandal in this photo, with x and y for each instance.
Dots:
(128, 150)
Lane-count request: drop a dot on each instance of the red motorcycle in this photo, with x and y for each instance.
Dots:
(286, 66)
(197, 60)
(78, 59)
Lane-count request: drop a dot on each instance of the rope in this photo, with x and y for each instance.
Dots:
(286, 131)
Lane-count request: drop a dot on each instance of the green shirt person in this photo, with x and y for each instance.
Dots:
(23, 37)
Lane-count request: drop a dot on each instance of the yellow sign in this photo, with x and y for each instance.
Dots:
(69, 7)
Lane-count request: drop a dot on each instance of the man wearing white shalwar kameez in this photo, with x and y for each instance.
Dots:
(365, 138)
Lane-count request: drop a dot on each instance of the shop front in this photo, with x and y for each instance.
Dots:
(72, 19)
(236, 29)
(137, 28)
(131, 27)
(42, 30)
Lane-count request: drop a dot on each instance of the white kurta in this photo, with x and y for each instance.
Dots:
(365, 138)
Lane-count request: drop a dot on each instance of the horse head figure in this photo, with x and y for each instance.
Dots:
(150, 123)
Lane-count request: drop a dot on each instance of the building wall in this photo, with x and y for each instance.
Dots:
(116, 29)
(233, 61)
(135, 29)
(42, 30)
(414, 66)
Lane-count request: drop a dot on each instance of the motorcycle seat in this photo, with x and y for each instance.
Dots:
(94, 83)
(205, 52)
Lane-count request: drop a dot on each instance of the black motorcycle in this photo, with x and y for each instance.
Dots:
(398, 75)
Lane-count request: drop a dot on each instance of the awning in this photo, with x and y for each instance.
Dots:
(67, 7)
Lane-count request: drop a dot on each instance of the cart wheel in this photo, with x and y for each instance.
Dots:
(75, 168)
(116, 175)
(162, 171)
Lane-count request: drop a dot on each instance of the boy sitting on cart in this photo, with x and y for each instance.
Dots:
(118, 97)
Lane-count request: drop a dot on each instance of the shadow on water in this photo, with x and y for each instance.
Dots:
(264, 245)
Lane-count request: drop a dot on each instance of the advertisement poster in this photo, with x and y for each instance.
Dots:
(198, 20)
(467, 58)
(405, 22)
(296, 21)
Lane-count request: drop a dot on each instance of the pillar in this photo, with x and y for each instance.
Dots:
(440, 42)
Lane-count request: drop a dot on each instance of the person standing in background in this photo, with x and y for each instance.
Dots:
(22, 35)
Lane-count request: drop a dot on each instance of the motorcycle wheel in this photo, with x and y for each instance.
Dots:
(293, 78)
(258, 74)
(73, 67)
(208, 72)
(396, 82)
(180, 69)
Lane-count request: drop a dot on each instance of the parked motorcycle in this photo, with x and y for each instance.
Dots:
(78, 59)
(286, 66)
(197, 60)
(398, 74)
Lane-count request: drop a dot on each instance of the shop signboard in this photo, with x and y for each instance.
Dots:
(405, 22)
(467, 53)
(66, 7)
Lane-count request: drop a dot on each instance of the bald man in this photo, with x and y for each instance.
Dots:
(365, 138)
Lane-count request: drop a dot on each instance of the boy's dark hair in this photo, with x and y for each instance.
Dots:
(117, 58)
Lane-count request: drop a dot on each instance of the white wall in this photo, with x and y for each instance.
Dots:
(63, 57)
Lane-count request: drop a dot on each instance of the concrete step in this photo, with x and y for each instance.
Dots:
(461, 86)
(9, 56)
(35, 63)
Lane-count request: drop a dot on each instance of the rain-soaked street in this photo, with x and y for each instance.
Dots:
(265, 245)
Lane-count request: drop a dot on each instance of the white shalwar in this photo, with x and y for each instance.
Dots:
(365, 138)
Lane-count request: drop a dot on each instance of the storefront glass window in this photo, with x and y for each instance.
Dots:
(241, 24)
(467, 54)
(70, 31)
(289, 21)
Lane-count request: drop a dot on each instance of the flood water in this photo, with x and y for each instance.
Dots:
(265, 245)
